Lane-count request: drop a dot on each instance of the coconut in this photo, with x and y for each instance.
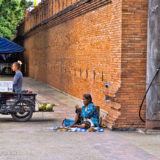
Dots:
(41, 107)
(49, 107)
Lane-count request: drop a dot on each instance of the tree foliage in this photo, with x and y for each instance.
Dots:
(11, 13)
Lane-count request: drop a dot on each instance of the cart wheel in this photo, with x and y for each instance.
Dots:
(24, 111)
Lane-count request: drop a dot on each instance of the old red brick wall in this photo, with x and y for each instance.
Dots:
(107, 44)
(133, 61)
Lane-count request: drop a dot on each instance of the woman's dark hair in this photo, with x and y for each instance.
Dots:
(17, 65)
(88, 97)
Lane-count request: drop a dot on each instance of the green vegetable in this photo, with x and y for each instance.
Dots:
(49, 107)
(41, 107)
(46, 107)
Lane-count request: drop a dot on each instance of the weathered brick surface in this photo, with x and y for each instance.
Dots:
(79, 55)
(133, 60)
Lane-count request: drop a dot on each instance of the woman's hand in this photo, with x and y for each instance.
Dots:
(77, 106)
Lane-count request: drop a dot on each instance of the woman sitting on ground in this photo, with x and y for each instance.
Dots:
(87, 116)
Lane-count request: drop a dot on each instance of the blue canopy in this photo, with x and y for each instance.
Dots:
(7, 46)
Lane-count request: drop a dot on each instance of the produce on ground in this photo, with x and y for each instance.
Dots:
(46, 107)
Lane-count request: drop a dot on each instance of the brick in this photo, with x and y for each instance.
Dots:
(78, 52)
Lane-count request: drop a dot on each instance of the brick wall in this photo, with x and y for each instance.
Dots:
(78, 52)
(133, 61)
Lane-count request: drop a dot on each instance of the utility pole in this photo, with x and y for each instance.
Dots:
(153, 61)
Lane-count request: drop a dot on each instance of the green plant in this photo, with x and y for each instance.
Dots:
(11, 14)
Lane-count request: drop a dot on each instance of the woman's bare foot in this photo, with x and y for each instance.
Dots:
(73, 125)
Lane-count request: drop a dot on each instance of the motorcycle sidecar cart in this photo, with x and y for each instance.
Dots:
(19, 106)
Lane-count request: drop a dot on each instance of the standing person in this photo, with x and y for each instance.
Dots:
(18, 78)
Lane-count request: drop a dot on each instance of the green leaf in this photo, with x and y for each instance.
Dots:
(11, 14)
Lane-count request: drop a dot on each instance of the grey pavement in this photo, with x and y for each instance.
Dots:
(35, 139)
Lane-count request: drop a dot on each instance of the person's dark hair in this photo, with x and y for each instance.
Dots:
(88, 97)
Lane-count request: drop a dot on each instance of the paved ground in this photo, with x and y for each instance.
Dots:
(35, 140)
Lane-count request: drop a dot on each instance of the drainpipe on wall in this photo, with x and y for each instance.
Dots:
(153, 61)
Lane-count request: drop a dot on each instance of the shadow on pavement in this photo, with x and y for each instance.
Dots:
(3, 120)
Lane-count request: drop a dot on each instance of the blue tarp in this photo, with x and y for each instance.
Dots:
(7, 46)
